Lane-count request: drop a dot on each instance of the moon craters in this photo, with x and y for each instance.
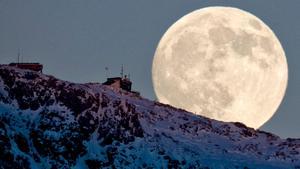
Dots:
(244, 43)
(223, 63)
(267, 44)
(221, 35)
(255, 24)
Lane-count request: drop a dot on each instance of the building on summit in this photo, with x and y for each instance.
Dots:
(30, 66)
(122, 82)
(119, 82)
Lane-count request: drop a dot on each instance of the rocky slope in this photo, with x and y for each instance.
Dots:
(50, 123)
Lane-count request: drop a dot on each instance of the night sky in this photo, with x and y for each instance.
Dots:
(76, 40)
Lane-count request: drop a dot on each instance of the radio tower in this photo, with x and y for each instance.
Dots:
(19, 54)
(122, 71)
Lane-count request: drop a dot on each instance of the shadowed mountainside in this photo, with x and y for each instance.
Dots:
(49, 123)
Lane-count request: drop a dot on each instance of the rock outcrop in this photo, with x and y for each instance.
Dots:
(49, 123)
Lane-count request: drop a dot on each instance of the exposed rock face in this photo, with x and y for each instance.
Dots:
(49, 123)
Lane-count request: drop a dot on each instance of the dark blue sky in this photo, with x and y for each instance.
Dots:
(77, 39)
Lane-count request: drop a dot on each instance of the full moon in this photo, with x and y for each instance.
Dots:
(223, 63)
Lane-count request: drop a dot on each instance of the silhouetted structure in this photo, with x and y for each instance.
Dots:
(118, 82)
(122, 82)
(30, 66)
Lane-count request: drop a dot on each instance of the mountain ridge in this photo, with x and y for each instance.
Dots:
(49, 123)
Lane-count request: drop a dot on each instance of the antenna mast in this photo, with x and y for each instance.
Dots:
(106, 72)
(122, 71)
(19, 54)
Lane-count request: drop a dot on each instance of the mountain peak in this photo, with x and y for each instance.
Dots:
(50, 123)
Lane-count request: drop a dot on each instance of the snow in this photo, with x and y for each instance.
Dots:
(170, 135)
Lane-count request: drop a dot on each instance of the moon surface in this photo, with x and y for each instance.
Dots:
(223, 63)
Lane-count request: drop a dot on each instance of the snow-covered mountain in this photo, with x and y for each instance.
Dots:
(49, 123)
